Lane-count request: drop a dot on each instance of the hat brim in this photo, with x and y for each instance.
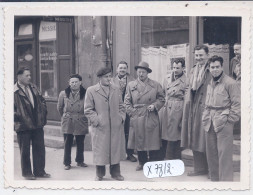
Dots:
(147, 69)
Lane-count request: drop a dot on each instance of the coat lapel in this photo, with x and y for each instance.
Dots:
(147, 89)
(100, 91)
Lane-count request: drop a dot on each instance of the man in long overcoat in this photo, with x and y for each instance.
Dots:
(193, 135)
(223, 108)
(30, 114)
(235, 60)
(73, 121)
(172, 112)
(144, 98)
(105, 110)
(121, 79)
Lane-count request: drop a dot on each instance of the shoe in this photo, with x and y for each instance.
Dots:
(192, 174)
(44, 175)
(119, 178)
(82, 164)
(29, 177)
(131, 158)
(139, 168)
(67, 167)
(98, 178)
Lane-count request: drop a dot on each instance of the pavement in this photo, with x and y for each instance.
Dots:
(54, 166)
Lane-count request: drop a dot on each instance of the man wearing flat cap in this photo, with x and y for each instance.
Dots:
(104, 108)
(144, 98)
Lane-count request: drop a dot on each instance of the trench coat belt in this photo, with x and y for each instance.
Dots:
(175, 99)
(70, 115)
(218, 108)
(140, 105)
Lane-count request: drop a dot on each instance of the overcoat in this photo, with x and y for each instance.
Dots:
(192, 133)
(172, 111)
(106, 115)
(25, 116)
(73, 120)
(144, 133)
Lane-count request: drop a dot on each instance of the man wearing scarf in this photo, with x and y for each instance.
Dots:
(193, 135)
(222, 110)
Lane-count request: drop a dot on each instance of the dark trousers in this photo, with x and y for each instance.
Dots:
(200, 162)
(68, 142)
(24, 138)
(126, 130)
(220, 153)
(171, 150)
(114, 170)
(154, 155)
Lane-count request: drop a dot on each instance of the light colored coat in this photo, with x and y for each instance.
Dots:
(144, 133)
(192, 133)
(172, 111)
(107, 118)
(223, 104)
(73, 120)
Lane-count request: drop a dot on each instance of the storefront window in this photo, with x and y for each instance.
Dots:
(25, 56)
(25, 29)
(47, 59)
(162, 40)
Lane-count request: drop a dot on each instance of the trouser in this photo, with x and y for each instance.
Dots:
(200, 162)
(68, 142)
(114, 170)
(126, 130)
(24, 138)
(154, 155)
(173, 150)
(220, 153)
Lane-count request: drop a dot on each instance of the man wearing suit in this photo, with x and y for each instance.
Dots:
(222, 110)
(30, 113)
(121, 79)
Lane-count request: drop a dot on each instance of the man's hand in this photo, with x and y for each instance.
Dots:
(151, 108)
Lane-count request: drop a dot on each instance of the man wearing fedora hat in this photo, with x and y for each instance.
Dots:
(144, 98)
(104, 108)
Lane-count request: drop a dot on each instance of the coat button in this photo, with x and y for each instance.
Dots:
(105, 100)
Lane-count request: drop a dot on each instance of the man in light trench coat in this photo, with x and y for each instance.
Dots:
(172, 111)
(223, 108)
(105, 110)
(192, 133)
(144, 98)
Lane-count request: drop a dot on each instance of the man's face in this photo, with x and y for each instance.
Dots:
(142, 74)
(237, 50)
(122, 69)
(74, 84)
(201, 56)
(106, 79)
(177, 68)
(216, 68)
(25, 78)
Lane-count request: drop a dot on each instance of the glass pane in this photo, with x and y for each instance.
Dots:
(48, 58)
(163, 39)
(25, 56)
(25, 29)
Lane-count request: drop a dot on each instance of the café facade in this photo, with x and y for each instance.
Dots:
(55, 47)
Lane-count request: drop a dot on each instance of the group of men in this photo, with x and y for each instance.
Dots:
(127, 115)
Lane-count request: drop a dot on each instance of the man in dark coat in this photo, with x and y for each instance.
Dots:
(193, 135)
(121, 79)
(73, 122)
(29, 119)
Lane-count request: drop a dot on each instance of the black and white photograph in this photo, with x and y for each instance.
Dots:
(100, 98)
